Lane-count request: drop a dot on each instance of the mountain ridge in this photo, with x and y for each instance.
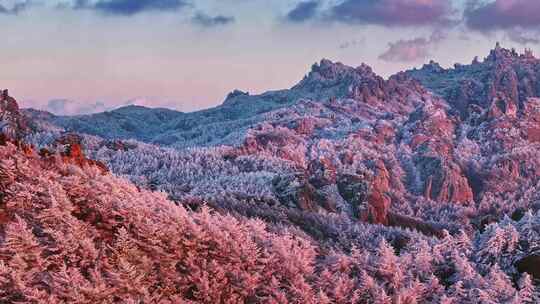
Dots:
(240, 110)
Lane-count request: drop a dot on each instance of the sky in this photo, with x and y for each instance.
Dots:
(84, 56)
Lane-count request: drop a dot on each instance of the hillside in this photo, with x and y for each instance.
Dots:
(73, 233)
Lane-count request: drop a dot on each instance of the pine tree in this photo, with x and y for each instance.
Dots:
(527, 292)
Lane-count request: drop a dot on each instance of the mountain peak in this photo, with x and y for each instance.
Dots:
(500, 53)
(234, 94)
(330, 74)
(328, 69)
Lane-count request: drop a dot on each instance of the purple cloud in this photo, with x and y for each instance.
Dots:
(303, 11)
(521, 37)
(130, 7)
(352, 43)
(394, 12)
(209, 21)
(411, 50)
(15, 9)
(502, 14)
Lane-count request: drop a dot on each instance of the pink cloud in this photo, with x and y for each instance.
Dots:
(406, 50)
(411, 50)
(394, 12)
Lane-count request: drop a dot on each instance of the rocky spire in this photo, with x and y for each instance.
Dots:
(501, 54)
(528, 53)
(4, 95)
(12, 123)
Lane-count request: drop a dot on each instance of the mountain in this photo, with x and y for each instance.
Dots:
(420, 187)
(503, 82)
(423, 148)
(74, 233)
(220, 125)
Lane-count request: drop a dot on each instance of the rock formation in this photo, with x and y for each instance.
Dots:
(12, 123)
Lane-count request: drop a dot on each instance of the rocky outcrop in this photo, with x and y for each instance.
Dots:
(70, 147)
(443, 180)
(13, 124)
(369, 199)
(322, 172)
(501, 83)
(295, 191)
(119, 145)
(276, 141)
(354, 189)
(399, 151)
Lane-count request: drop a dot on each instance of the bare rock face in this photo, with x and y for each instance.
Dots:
(502, 82)
(378, 199)
(431, 134)
(444, 181)
(71, 151)
(369, 201)
(278, 141)
(377, 208)
(354, 189)
(530, 120)
(397, 151)
(502, 106)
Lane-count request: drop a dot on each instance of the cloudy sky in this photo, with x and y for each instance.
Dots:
(87, 55)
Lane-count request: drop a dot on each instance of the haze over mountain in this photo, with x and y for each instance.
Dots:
(347, 187)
